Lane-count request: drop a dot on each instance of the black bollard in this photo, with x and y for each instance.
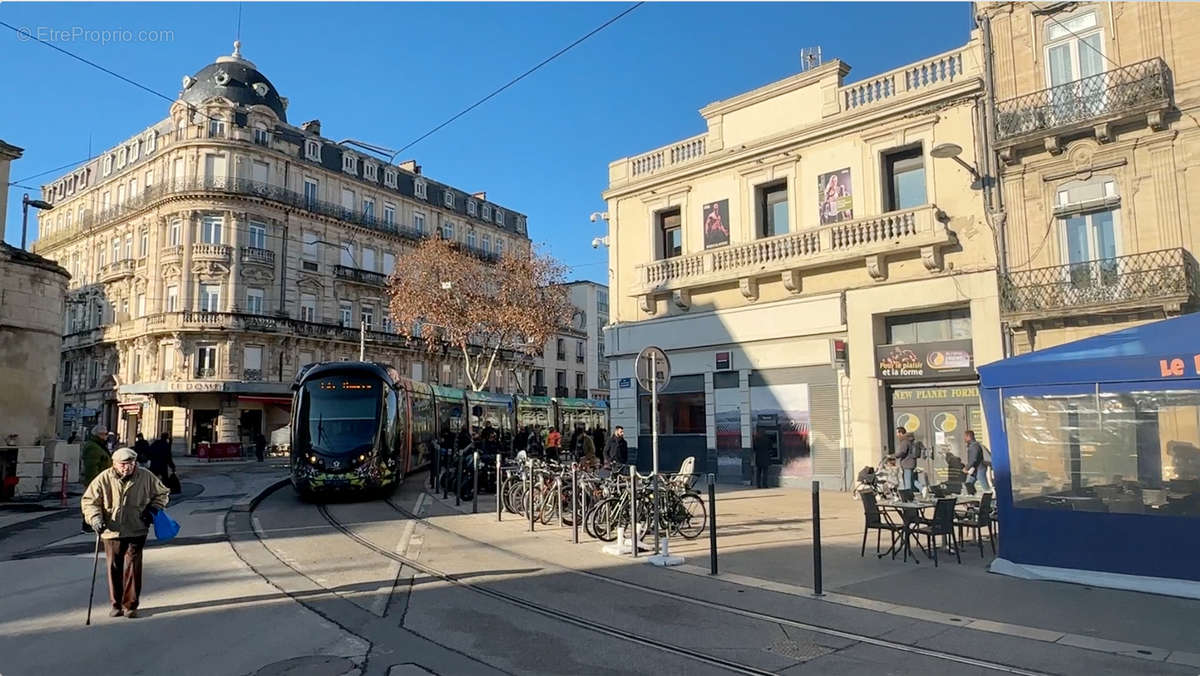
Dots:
(445, 483)
(816, 517)
(458, 481)
(475, 483)
(559, 509)
(633, 538)
(437, 451)
(499, 491)
(529, 494)
(576, 496)
(712, 524)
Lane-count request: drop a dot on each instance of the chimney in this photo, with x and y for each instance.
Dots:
(481, 196)
(312, 127)
(410, 166)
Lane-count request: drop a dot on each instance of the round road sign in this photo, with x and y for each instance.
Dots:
(662, 366)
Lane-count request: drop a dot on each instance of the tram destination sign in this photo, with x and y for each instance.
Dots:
(925, 360)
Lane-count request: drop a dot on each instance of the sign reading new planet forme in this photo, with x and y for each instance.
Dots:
(925, 360)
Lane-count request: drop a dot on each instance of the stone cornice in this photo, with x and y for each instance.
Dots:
(778, 88)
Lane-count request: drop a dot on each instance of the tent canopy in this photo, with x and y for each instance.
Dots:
(1130, 354)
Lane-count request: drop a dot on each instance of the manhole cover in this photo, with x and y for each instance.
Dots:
(315, 665)
(802, 650)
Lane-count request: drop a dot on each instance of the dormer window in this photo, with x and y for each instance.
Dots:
(216, 128)
(312, 150)
(82, 179)
(122, 155)
(108, 164)
(471, 208)
(419, 188)
(369, 171)
(150, 142)
(448, 199)
(499, 216)
(389, 178)
(487, 212)
(349, 163)
(521, 224)
(261, 136)
(133, 152)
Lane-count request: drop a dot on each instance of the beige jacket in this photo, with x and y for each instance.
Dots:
(120, 502)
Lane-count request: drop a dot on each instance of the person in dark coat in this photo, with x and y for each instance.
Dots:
(159, 456)
(616, 449)
(906, 455)
(260, 445)
(142, 448)
(976, 464)
(763, 445)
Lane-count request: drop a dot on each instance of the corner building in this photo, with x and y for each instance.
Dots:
(216, 251)
(809, 222)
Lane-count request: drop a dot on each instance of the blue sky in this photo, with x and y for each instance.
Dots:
(387, 73)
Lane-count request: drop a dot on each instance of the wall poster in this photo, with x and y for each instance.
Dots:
(728, 419)
(716, 224)
(836, 196)
(782, 413)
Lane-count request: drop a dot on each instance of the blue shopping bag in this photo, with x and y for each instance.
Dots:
(165, 527)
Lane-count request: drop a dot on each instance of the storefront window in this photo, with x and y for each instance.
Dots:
(1126, 452)
(677, 413)
(929, 327)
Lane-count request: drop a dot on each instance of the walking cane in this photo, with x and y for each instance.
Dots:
(92, 594)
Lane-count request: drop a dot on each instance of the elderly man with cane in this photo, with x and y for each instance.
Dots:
(120, 504)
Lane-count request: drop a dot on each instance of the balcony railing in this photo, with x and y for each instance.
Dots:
(117, 270)
(539, 390)
(835, 244)
(1132, 90)
(170, 254)
(359, 276)
(252, 374)
(581, 394)
(1168, 277)
(252, 254)
(206, 373)
(212, 252)
(934, 72)
(562, 392)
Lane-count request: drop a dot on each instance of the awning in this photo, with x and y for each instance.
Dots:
(279, 401)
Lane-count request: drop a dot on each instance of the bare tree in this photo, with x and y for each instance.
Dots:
(451, 298)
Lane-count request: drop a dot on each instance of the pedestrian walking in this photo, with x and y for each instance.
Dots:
(120, 504)
(96, 459)
(616, 449)
(260, 445)
(142, 448)
(977, 465)
(553, 444)
(161, 462)
(763, 445)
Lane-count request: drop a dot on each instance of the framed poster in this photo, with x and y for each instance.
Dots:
(716, 224)
(836, 196)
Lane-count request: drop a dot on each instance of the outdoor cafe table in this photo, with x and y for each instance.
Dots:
(920, 505)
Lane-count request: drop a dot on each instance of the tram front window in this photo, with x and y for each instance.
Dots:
(342, 414)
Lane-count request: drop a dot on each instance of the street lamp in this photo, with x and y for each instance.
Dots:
(25, 204)
(951, 151)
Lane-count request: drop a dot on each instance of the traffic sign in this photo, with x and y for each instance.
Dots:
(662, 366)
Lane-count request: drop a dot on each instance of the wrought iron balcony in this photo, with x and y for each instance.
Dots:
(1169, 278)
(538, 390)
(1090, 104)
(562, 392)
(359, 276)
(252, 374)
(206, 373)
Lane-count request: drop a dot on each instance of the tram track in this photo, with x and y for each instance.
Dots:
(711, 605)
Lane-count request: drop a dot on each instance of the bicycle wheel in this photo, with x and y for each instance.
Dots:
(692, 516)
(605, 520)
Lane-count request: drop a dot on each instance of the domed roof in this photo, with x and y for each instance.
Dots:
(236, 79)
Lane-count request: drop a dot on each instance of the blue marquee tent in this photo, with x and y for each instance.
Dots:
(1097, 460)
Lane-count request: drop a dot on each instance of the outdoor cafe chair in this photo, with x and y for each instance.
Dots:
(942, 524)
(977, 518)
(879, 521)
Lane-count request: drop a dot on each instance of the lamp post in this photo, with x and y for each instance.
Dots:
(25, 204)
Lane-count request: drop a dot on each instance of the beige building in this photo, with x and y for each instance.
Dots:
(1095, 129)
(810, 216)
(572, 364)
(216, 251)
(31, 301)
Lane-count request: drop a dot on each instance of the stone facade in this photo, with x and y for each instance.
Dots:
(1094, 125)
(592, 299)
(217, 251)
(810, 213)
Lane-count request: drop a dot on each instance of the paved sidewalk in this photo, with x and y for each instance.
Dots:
(765, 541)
(204, 611)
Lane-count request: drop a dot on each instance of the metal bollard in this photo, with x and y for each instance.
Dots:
(445, 485)
(816, 516)
(576, 496)
(499, 491)
(559, 509)
(437, 452)
(475, 483)
(529, 494)
(633, 538)
(712, 524)
(458, 481)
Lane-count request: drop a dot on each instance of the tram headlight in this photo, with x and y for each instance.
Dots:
(362, 457)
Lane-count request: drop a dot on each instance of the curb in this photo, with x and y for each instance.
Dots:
(253, 502)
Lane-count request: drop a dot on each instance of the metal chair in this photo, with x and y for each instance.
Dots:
(978, 518)
(942, 523)
(877, 520)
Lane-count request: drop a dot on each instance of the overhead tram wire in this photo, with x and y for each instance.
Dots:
(517, 79)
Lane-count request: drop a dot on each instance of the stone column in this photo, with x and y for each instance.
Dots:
(227, 424)
(236, 300)
(187, 294)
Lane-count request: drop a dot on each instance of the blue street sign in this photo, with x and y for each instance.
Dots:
(626, 383)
